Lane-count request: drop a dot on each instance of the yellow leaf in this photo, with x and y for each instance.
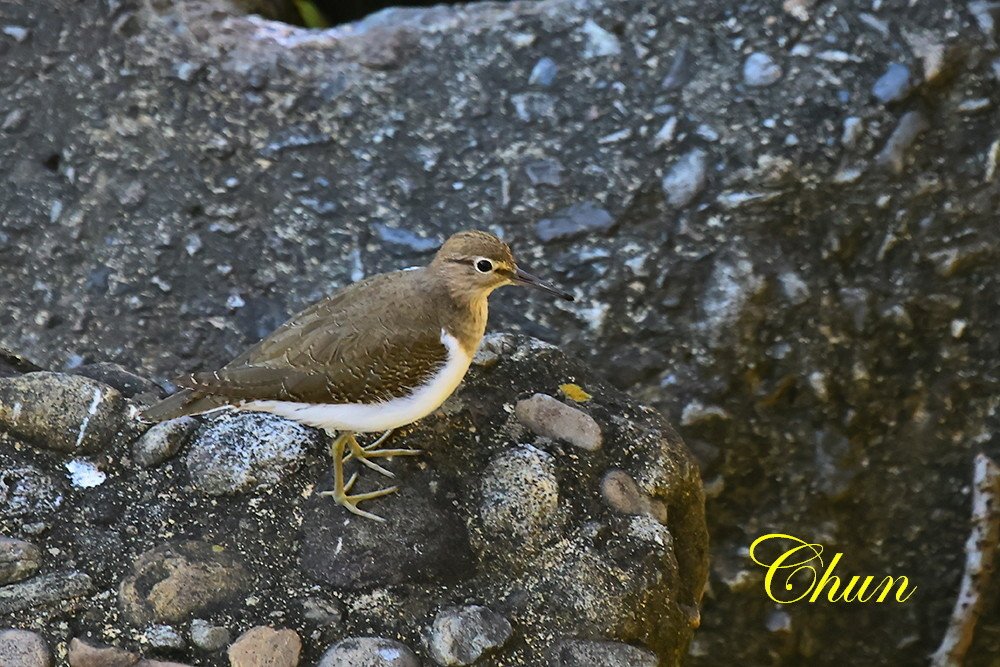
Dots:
(574, 392)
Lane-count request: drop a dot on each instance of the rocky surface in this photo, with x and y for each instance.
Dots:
(803, 273)
(502, 542)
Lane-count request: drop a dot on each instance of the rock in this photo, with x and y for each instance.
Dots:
(165, 637)
(85, 654)
(44, 589)
(209, 637)
(586, 653)
(18, 559)
(407, 241)
(520, 493)
(686, 178)
(26, 491)
(162, 441)
(115, 375)
(460, 636)
(544, 172)
(66, 413)
(853, 129)
(599, 42)
(322, 612)
(893, 154)
(760, 70)
(265, 647)
(574, 222)
(368, 652)
(160, 663)
(551, 418)
(623, 495)
(543, 73)
(894, 85)
(22, 648)
(175, 580)
(244, 450)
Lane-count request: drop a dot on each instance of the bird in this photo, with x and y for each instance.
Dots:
(376, 355)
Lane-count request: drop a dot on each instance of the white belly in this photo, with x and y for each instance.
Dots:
(364, 418)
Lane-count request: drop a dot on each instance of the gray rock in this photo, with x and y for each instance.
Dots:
(66, 413)
(406, 240)
(164, 637)
(368, 652)
(86, 654)
(543, 73)
(322, 612)
(894, 85)
(460, 636)
(531, 107)
(587, 653)
(893, 153)
(760, 70)
(209, 637)
(175, 580)
(14, 120)
(115, 375)
(520, 493)
(544, 172)
(263, 646)
(245, 450)
(686, 178)
(599, 42)
(162, 441)
(554, 419)
(43, 589)
(574, 222)
(853, 129)
(18, 559)
(22, 648)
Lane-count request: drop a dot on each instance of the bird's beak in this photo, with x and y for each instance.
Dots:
(525, 278)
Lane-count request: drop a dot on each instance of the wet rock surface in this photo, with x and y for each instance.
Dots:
(851, 421)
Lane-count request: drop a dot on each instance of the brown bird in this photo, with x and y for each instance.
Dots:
(377, 355)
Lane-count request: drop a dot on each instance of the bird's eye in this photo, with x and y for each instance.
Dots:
(483, 265)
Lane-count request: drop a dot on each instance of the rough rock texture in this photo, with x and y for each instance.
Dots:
(265, 647)
(21, 648)
(177, 183)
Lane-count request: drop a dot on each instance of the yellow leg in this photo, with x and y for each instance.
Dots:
(341, 490)
(371, 452)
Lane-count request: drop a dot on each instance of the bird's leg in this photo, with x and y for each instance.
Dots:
(341, 490)
(371, 451)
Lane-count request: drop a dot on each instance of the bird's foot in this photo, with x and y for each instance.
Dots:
(341, 490)
(363, 454)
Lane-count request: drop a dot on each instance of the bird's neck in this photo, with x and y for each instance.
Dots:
(466, 319)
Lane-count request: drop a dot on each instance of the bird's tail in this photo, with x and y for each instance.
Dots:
(183, 403)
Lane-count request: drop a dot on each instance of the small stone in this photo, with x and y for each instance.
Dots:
(368, 652)
(21, 648)
(245, 450)
(322, 612)
(533, 106)
(600, 43)
(84, 474)
(165, 637)
(43, 589)
(587, 653)
(66, 413)
(573, 222)
(854, 127)
(665, 135)
(14, 120)
(160, 663)
(265, 647)
(622, 493)
(26, 491)
(779, 622)
(175, 580)
(209, 637)
(162, 441)
(544, 172)
(686, 178)
(405, 240)
(18, 32)
(543, 73)
(520, 493)
(131, 195)
(551, 418)
(462, 635)
(18, 559)
(697, 412)
(893, 154)
(760, 70)
(492, 347)
(894, 85)
(85, 654)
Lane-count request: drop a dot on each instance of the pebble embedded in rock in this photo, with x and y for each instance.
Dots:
(543, 73)
(245, 450)
(622, 493)
(209, 637)
(460, 636)
(588, 653)
(22, 648)
(573, 222)
(686, 178)
(893, 154)
(322, 612)
(368, 652)
(520, 492)
(162, 441)
(66, 413)
(600, 43)
(263, 646)
(18, 559)
(894, 85)
(164, 637)
(760, 70)
(544, 172)
(83, 653)
(551, 418)
(175, 580)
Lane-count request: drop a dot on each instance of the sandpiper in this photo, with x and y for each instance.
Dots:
(379, 354)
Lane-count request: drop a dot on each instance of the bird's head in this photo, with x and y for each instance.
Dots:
(475, 263)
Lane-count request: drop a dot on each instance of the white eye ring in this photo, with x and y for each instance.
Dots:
(482, 265)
